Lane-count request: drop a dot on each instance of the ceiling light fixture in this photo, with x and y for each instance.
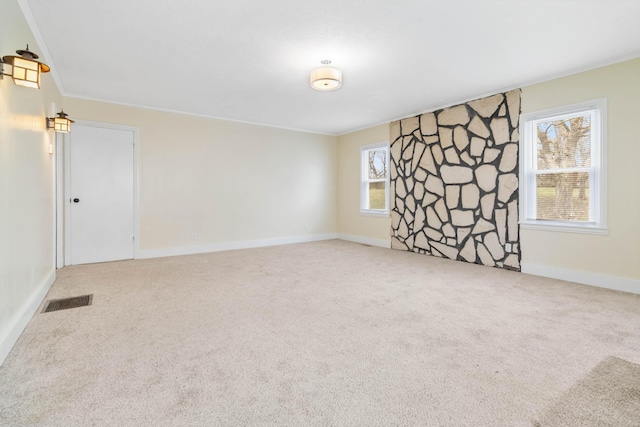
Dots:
(60, 123)
(25, 69)
(326, 78)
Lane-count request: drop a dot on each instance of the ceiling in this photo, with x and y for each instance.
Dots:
(249, 60)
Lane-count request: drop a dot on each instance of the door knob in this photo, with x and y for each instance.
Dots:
(76, 200)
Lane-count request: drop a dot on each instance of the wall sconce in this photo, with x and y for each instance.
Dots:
(326, 78)
(60, 123)
(25, 69)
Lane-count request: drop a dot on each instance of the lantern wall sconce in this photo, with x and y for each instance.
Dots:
(60, 123)
(25, 69)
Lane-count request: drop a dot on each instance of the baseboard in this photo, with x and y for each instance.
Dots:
(600, 280)
(228, 246)
(365, 240)
(9, 337)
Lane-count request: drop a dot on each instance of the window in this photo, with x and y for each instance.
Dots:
(374, 190)
(562, 177)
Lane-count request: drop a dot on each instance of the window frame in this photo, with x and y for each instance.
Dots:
(364, 180)
(597, 223)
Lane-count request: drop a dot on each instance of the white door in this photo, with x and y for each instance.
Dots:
(100, 194)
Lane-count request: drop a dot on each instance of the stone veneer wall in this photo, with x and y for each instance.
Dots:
(454, 182)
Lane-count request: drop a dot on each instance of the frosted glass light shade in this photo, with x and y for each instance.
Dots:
(60, 123)
(25, 69)
(326, 78)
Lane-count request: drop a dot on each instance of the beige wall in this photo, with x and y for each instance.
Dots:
(227, 182)
(353, 225)
(26, 187)
(616, 256)
(609, 261)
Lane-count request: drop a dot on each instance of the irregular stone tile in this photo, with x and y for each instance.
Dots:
(461, 218)
(487, 106)
(508, 246)
(428, 124)
(406, 141)
(452, 242)
(436, 253)
(434, 185)
(482, 226)
(452, 193)
(456, 174)
(457, 115)
(407, 169)
(452, 156)
(407, 153)
(418, 150)
(500, 129)
(409, 125)
(446, 137)
(442, 211)
(492, 243)
(470, 196)
(490, 154)
(478, 127)
(418, 223)
(409, 242)
(448, 230)
(486, 177)
(438, 156)
(410, 202)
(507, 184)
(465, 157)
(408, 218)
(400, 205)
(477, 146)
(421, 241)
(512, 261)
(509, 159)
(397, 244)
(403, 229)
(394, 131)
(418, 190)
(420, 174)
(501, 225)
(515, 135)
(513, 103)
(396, 149)
(468, 252)
(431, 139)
(463, 232)
(401, 191)
(447, 251)
(503, 111)
(394, 173)
(395, 220)
(432, 234)
(460, 138)
(484, 255)
(427, 162)
(512, 221)
(429, 199)
(432, 219)
(410, 183)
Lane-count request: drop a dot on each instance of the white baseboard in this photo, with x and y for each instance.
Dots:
(10, 335)
(365, 240)
(228, 246)
(600, 280)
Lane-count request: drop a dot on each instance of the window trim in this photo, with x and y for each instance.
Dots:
(364, 181)
(597, 170)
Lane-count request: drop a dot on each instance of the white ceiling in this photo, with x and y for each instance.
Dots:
(249, 60)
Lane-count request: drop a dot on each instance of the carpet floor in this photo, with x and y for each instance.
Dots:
(316, 334)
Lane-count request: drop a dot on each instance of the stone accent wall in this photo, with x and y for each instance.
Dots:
(454, 182)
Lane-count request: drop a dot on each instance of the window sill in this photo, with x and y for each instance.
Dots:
(564, 227)
(374, 213)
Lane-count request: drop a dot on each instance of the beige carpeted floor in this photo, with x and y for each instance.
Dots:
(317, 334)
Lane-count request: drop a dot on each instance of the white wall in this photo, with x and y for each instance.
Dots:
(232, 184)
(26, 187)
(614, 260)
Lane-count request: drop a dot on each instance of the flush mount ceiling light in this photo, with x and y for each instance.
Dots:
(60, 123)
(326, 78)
(25, 69)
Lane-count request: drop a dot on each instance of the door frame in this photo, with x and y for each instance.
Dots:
(63, 195)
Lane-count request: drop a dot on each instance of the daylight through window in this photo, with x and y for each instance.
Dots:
(374, 193)
(562, 167)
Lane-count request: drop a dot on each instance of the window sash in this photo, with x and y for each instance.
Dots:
(365, 203)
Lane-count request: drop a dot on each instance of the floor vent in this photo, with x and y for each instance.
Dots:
(66, 303)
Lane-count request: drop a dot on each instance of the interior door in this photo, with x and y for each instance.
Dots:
(100, 194)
